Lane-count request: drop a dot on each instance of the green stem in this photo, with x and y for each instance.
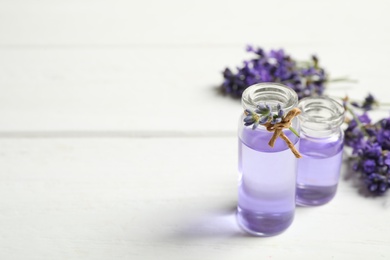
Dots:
(342, 79)
(294, 131)
(376, 103)
(304, 63)
(383, 104)
(361, 126)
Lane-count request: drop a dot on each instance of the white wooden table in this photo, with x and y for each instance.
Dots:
(114, 143)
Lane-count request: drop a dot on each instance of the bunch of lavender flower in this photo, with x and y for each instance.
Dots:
(368, 103)
(263, 115)
(371, 146)
(307, 79)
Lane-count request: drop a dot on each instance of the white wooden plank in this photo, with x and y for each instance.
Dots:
(131, 199)
(192, 22)
(108, 90)
(147, 90)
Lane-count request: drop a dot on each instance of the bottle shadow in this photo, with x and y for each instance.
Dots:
(217, 224)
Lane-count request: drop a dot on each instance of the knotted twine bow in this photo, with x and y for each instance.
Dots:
(278, 130)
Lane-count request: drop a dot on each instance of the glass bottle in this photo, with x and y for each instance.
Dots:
(321, 147)
(267, 175)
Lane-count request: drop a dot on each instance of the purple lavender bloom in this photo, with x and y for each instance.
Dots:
(263, 110)
(280, 111)
(385, 123)
(386, 159)
(364, 118)
(263, 120)
(309, 71)
(275, 66)
(250, 118)
(263, 114)
(371, 149)
(376, 183)
(276, 120)
(255, 125)
(372, 186)
(369, 166)
(249, 48)
(355, 104)
(278, 55)
(354, 134)
(383, 187)
(368, 103)
(259, 51)
(383, 138)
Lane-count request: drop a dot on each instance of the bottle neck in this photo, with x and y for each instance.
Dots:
(321, 117)
(272, 94)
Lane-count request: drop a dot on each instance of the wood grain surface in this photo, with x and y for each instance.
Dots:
(116, 144)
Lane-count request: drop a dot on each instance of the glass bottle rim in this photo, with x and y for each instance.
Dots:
(320, 111)
(270, 93)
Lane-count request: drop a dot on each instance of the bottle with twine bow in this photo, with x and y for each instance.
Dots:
(268, 138)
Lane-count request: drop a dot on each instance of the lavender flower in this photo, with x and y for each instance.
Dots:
(251, 119)
(368, 103)
(277, 118)
(263, 110)
(369, 166)
(262, 115)
(371, 145)
(383, 134)
(306, 79)
(354, 134)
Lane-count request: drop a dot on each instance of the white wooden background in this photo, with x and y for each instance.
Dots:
(114, 143)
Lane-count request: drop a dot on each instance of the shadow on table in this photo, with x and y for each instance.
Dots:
(220, 223)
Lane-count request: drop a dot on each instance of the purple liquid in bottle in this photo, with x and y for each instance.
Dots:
(318, 170)
(266, 192)
(321, 146)
(267, 175)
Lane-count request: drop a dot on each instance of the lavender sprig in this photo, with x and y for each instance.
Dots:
(263, 114)
(371, 145)
(306, 78)
(368, 104)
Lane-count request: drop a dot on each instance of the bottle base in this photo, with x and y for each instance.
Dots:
(309, 195)
(264, 224)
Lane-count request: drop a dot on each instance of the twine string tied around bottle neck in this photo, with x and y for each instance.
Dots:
(278, 131)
